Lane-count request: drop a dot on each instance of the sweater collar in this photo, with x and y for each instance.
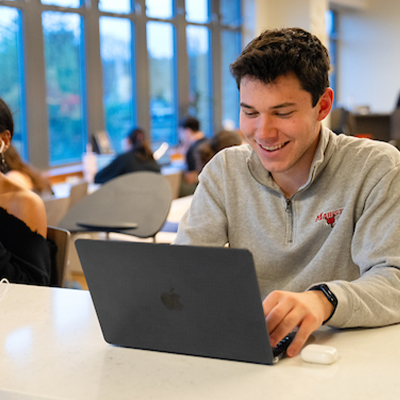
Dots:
(322, 155)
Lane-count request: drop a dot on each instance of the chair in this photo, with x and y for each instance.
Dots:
(375, 126)
(59, 239)
(78, 191)
(135, 204)
(340, 120)
(175, 180)
(395, 125)
(56, 208)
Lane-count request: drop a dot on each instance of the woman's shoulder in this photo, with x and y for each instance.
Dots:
(21, 178)
(24, 204)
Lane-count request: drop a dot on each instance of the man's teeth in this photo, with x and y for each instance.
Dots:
(272, 148)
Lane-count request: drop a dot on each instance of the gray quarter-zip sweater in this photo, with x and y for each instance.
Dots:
(341, 228)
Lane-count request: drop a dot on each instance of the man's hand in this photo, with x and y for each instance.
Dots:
(285, 311)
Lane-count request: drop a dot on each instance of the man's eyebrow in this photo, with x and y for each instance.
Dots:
(245, 105)
(278, 106)
(283, 105)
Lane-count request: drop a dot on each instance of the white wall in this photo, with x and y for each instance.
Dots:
(369, 59)
(282, 14)
(270, 14)
(369, 55)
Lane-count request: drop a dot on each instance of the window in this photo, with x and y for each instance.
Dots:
(12, 77)
(63, 3)
(115, 6)
(159, 9)
(231, 48)
(160, 47)
(230, 12)
(331, 30)
(110, 65)
(64, 77)
(196, 10)
(200, 99)
(116, 58)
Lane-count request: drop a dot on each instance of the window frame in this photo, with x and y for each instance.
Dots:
(34, 80)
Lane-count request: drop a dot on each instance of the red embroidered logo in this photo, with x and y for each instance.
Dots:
(329, 217)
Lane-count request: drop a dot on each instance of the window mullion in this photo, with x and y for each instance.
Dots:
(216, 78)
(182, 59)
(93, 72)
(141, 61)
(35, 81)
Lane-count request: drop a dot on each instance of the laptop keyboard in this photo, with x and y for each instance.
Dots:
(280, 349)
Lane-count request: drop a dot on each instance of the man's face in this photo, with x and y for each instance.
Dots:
(281, 125)
(184, 135)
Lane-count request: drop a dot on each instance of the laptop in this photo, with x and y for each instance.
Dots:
(199, 301)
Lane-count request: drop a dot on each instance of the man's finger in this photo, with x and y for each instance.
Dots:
(276, 311)
(306, 328)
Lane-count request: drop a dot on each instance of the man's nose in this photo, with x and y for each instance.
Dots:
(267, 127)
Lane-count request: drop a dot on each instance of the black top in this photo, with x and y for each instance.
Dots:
(190, 155)
(24, 255)
(123, 164)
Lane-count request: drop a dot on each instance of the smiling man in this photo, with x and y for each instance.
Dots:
(319, 212)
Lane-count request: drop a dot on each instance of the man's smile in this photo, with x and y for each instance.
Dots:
(273, 148)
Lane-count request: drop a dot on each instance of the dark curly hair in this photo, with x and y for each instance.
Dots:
(190, 122)
(6, 118)
(281, 52)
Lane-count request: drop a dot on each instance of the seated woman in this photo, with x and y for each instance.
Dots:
(139, 157)
(24, 251)
(25, 174)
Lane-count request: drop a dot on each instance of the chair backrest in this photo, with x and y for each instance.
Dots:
(175, 180)
(56, 208)
(143, 198)
(375, 126)
(339, 120)
(59, 239)
(77, 192)
(395, 125)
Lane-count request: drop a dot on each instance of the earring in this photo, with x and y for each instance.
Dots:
(3, 165)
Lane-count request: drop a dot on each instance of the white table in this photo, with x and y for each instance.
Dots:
(52, 348)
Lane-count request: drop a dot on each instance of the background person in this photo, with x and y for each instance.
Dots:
(24, 251)
(320, 212)
(190, 137)
(139, 157)
(206, 150)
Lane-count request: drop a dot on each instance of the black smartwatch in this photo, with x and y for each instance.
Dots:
(329, 295)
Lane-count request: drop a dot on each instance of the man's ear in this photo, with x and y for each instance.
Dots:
(325, 104)
(5, 136)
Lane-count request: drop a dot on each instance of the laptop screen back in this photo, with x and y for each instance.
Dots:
(202, 301)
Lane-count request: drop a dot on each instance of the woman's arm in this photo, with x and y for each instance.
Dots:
(29, 208)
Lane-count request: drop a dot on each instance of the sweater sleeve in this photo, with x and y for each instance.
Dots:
(374, 298)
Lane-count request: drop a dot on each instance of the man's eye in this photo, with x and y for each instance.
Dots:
(250, 113)
(287, 114)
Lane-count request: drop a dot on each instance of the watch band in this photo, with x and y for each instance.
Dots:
(329, 295)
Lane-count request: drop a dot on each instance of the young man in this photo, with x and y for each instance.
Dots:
(319, 212)
(190, 136)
